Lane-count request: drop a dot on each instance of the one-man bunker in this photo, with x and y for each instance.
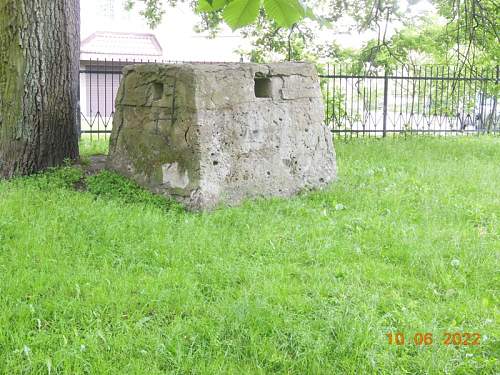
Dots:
(207, 134)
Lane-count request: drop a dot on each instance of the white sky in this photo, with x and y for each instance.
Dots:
(180, 42)
(176, 33)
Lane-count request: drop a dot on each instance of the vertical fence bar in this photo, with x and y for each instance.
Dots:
(400, 102)
(363, 109)
(346, 118)
(340, 114)
(327, 120)
(91, 119)
(333, 98)
(352, 106)
(494, 117)
(79, 108)
(386, 98)
(105, 117)
(376, 106)
(112, 113)
(459, 117)
(468, 85)
(441, 90)
(431, 101)
(370, 82)
(394, 100)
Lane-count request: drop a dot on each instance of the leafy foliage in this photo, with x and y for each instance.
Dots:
(65, 177)
(473, 23)
(153, 10)
(110, 185)
(210, 6)
(427, 42)
(236, 13)
(284, 12)
(104, 185)
(240, 13)
(287, 28)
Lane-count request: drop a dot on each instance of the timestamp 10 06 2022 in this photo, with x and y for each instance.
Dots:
(427, 338)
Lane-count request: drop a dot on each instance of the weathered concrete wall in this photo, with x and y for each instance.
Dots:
(219, 133)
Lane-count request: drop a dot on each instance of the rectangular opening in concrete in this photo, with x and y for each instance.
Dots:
(263, 87)
(157, 90)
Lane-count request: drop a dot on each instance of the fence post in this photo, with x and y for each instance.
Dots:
(386, 97)
(495, 117)
(78, 106)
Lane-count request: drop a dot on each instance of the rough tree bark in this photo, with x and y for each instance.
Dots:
(39, 61)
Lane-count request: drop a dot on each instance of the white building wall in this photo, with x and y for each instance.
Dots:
(176, 33)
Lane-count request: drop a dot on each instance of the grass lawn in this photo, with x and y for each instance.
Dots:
(113, 280)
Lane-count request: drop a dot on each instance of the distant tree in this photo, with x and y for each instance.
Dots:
(429, 41)
(473, 27)
(283, 27)
(39, 46)
(279, 27)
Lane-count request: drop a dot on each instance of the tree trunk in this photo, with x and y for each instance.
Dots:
(39, 63)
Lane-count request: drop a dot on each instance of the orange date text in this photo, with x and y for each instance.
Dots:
(427, 338)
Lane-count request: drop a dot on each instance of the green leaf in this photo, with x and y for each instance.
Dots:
(210, 5)
(218, 4)
(284, 12)
(203, 6)
(241, 13)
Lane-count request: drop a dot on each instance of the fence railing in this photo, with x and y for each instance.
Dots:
(99, 83)
(438, 100)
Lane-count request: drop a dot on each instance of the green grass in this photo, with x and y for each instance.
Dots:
(90, 146)
(116, 281)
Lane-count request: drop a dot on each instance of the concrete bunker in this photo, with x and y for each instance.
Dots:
(208, 134)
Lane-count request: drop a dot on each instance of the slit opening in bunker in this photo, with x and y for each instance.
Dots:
(157, 90)
(263, 87)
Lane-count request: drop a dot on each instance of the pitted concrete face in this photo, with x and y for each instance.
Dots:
(209, 134)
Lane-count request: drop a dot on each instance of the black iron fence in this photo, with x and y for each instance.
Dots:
(99, 83)
(440, 100)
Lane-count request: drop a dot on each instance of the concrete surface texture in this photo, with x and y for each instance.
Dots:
(210, 134)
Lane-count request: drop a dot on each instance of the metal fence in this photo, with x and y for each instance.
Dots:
(439, 100)
(99, 83)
